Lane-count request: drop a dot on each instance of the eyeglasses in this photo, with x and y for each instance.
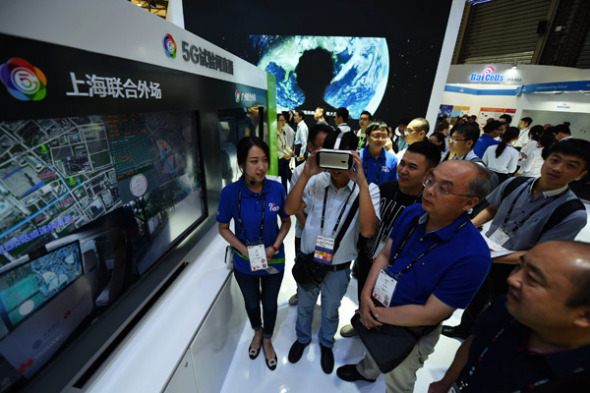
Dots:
(429, 182)
(364, 119)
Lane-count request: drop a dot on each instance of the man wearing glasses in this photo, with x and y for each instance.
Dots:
(461, 143)
(437, 259)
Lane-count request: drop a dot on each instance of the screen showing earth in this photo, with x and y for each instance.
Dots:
(330, 72)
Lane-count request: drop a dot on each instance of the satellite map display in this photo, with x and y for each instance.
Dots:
(58, 174)
(29, 286)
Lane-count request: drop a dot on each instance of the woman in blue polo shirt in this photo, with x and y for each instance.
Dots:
(254, 203)
(379, 164)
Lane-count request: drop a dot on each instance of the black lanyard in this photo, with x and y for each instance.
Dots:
(366, 167)
(389, 226)
(341, 211)
(472, 370)
(534, 211)
(260, 239)
(405, 240)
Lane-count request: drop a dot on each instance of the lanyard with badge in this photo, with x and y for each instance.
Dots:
(324, 247)
(366, 168)
(387, 281)
(463, 384)
(501, 235)
(383, 234)
(256, 252)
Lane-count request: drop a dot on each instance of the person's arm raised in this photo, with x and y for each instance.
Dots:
(294, 203)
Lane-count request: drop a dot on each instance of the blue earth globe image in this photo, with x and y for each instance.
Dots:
(360, 69)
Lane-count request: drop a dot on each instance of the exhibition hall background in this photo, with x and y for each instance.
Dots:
(414, 32)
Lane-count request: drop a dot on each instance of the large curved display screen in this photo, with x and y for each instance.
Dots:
(328, 72)
(87, 205)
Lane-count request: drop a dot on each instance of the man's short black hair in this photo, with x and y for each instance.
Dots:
(469, 131)
(316, 129)
(429, 150)
(527, 120)
(300, 113)
(349, 141)
(573, 147)
(367, 113)
(376, 125)
(507, 118)
(343, 113)
(492, 126)
(562, 128)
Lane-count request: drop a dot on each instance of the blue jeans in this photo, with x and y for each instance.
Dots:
(333, 289)
(260, 288)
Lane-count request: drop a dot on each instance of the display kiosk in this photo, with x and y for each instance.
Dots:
(117, 134)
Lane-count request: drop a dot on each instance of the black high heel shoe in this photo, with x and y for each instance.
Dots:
(253, 353)
(270, 363)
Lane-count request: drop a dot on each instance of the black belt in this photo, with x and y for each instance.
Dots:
(340, 266)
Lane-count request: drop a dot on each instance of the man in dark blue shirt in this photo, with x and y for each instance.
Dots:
(490, 131)
(537, 338)
(438, 260)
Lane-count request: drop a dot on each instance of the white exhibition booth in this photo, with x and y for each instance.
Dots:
(547, 94)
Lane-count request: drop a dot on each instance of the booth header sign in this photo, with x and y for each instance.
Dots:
(490, 75)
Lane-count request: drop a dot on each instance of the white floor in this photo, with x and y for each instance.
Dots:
(245, 375)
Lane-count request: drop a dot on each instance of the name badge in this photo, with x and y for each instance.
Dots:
(500, 237)
(384, 288)
(257, 256)
(324, 250)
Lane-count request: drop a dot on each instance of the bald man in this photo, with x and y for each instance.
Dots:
(433, 262)
(538, 335)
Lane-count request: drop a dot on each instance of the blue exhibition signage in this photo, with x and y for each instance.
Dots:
(555, 86)
(480, 92)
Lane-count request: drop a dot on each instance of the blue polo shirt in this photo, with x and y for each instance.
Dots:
(483, 143)
(453, 271)
(381, 169)
(251, 211)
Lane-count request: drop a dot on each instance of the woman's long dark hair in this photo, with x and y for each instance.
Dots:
(508, 136)
(547, 140)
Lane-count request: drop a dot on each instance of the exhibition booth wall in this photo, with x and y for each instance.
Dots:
(547, 94)
(118, 131)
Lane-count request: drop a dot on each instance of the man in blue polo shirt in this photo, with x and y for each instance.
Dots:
(490, 131)
(379, 165)
(537, 337)
(438, 260)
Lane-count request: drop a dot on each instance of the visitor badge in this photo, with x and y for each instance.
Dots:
(384, 288)
(500, 237)
(257, 256)
(324, 250)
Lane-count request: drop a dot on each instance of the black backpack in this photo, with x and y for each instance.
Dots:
(560, 212)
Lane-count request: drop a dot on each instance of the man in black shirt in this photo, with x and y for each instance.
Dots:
(537, 338)
(418, 160)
